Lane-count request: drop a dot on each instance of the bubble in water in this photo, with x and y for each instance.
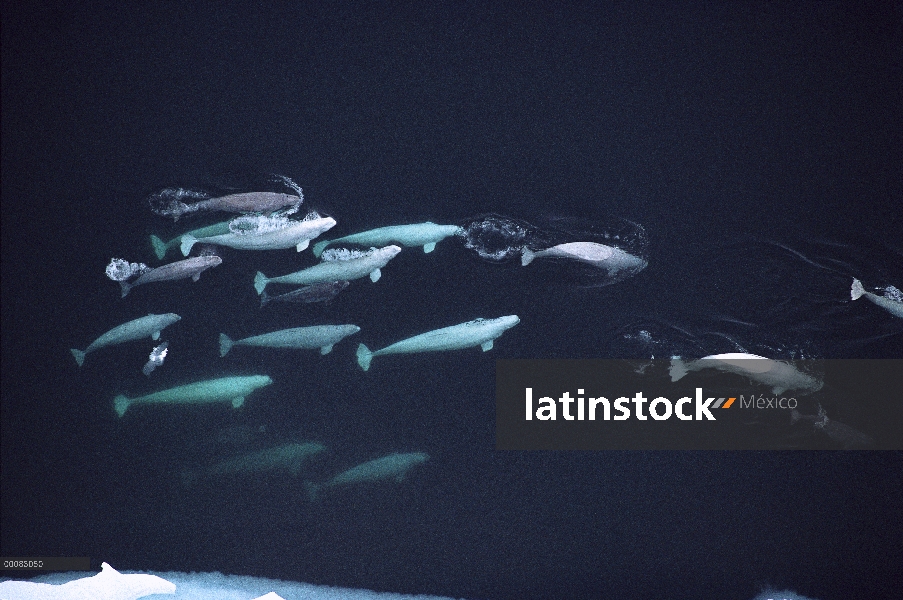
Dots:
(257, 224)
(120, 269)
(288, 182)
(495, 237)
(157, 356)
(335, 254)
(167, 202)
(893, 293)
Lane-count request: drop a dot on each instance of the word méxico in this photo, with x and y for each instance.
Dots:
(659, 409)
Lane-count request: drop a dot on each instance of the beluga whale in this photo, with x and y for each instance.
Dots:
(223, 389)
(610, 258)
(317, 292)
(136, 329)
(479, 332)
(777, 375)
(181, 269)
(266, 233)
(846, 436)
(426, 234)
(337, 265)
(248, 202)
(323, 337)
(287, 458)
(891, 301)
(392, 467)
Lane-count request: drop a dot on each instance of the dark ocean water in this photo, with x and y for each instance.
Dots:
(758, 145)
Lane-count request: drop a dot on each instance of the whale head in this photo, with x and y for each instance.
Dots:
(509, 321)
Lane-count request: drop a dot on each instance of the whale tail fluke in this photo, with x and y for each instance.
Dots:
(264, 298)
(527, 257)
(319, 247)
(678, 369)
(79, 356)
(364, 356)
(159, 247)
(126, 287)
(121, 404)
(188, 242)
(856, 291)
(225, 344)
(260, 282)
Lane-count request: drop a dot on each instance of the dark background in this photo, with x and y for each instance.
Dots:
(758, 144)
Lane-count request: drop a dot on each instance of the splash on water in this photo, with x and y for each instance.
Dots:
(502, 239)
(156, 358)
(169, 202)
(337, 254)
(120, 269)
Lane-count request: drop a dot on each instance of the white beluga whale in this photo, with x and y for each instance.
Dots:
(420, 234)
(479, 332)
(323, 337)
(224, 389)
(109, 584)
(891, 301)
(287, 458)
(392, 467)
(344, 265)
(777, 375)
(161, 247)
(182, 269)
(266, 233)
(136, 329)
(600, 256)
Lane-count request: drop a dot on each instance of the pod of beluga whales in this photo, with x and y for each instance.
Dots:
(265, 222)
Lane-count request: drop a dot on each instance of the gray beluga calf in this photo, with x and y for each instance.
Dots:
(318, 292)
(249, 202)
(323, 337)
(182, 269)
(846, 436)
(420, 234)
(136, 329)
(601, 256)
(892, 301)
(223, 389)
(275, 234)
(777, 375)
(336, 266)
(479, 332)
(287, 458)
(392, 467)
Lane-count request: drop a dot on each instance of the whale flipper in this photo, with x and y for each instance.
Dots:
(79, 356)
(486, 346)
